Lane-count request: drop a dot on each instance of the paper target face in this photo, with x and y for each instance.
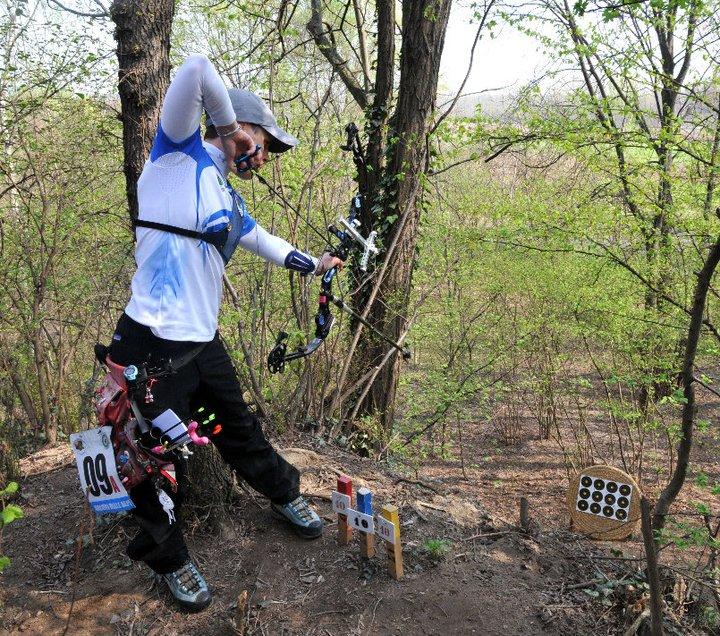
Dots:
(606, 498)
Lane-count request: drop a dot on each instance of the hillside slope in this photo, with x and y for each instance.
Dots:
(466, 571)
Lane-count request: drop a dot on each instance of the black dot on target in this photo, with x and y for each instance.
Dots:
(621, 514)
(586, 481)
(595, 508)
(611, 486)
(583, 505)
(608, 511)
(584, 493)
(597, 496)
(624, 490)
(623, 502)
(599, 484)
(610, 499)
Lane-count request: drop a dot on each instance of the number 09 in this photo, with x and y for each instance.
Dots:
(96, 475)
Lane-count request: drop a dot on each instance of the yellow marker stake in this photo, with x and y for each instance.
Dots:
(395, 564)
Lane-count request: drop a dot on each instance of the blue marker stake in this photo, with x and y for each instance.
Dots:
(363, 499)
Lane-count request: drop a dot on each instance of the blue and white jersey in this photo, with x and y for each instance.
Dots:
(177, 288)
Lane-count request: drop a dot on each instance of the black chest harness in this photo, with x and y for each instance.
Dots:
(225, 240)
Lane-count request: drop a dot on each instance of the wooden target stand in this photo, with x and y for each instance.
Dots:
(386, 525)
(604, 503)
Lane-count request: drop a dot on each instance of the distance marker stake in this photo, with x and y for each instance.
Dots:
(391, 537)
(344, 486)
(367, 540)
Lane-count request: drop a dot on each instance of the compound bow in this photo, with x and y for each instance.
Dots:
(350, 239)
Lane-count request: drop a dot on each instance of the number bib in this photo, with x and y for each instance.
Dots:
(99, 480)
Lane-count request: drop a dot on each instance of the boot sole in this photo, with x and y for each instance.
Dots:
(193, 608)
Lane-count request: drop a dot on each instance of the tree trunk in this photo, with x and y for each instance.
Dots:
(424, 25)
(211, 487)
(380, 110)
(142, 33)
(392, 180)
(48, 419)
(671, 490)
(11, 367)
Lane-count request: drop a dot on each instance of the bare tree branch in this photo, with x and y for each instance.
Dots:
(85, 14)
(671, 490)
(364, 59)
(320, 34)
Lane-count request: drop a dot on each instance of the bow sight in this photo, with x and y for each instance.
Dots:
(350, 239)
(350, 235)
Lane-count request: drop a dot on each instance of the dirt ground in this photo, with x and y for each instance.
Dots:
(468, 571)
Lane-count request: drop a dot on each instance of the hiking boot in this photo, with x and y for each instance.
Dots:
(302, 518)
(188, 587)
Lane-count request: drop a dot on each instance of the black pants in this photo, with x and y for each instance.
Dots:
(209, 379)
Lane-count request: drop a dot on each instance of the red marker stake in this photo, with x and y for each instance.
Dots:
(344, 486)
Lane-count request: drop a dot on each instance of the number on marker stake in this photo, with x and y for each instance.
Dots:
(386, 530)
(360, 521)
(340, 502)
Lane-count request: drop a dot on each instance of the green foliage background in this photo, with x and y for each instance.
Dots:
(523, 294)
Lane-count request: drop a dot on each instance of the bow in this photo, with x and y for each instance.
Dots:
(350, 240)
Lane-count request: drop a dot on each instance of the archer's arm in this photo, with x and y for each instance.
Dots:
(276, 250)
(196, 85)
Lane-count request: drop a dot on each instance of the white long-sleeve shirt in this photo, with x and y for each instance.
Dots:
(177, 288)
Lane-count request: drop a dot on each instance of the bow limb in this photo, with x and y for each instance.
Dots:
(324, 321)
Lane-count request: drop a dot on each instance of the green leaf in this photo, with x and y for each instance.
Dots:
(10, 513)
(610, 14)
(10, 489)
(4, 562)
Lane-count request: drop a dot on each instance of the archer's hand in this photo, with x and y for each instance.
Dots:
(327, 262)
(238, 144)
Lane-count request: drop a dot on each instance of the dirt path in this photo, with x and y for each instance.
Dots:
(508, 583)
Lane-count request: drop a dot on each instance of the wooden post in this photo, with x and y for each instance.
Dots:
(367, 540)
(656, 613)
(524, 514)
(344, 486)
(394, 550)
(241, 614)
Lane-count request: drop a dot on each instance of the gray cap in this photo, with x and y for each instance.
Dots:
(252, 109)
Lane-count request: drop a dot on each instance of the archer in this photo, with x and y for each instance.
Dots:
(190, 223)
